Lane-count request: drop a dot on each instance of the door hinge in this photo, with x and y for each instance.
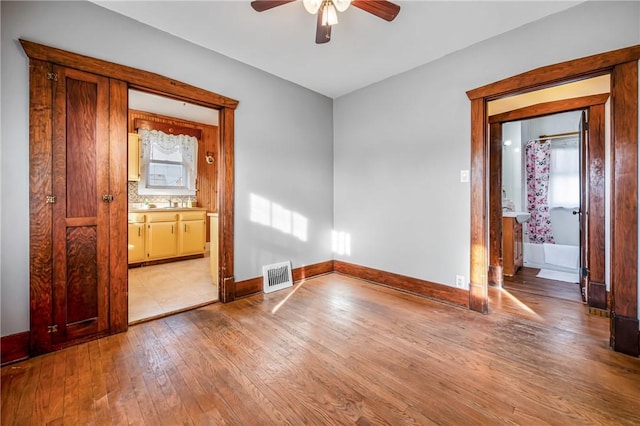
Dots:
(52, 328)
(52, 76)
(51, 199)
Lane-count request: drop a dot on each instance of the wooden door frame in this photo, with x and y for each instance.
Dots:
(41, 58)
(595, 104)
(622, 65)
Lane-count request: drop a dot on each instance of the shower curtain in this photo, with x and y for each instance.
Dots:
(538, 162)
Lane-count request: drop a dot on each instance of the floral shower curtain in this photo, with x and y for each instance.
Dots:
(538, 163)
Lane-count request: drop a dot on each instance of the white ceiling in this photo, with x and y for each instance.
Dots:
(363, 49)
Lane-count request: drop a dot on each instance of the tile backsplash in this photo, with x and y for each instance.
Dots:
(160, 200)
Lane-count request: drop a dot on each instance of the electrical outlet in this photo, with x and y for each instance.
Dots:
(460, 281)
(464, 176)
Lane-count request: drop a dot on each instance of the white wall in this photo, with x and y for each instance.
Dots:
(396, 172)
(283, 136)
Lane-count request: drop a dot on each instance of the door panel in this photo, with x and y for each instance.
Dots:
(80, 218)
(595, 179)
(495, 273)
(583, 212)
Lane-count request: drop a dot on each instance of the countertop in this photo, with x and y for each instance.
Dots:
(165, 209)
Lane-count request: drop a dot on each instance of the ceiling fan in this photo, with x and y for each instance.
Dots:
(327, 11)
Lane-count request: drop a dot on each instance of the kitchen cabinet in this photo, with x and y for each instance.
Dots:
(511, 246)
(161, 235)
(133, 159)
(136, 237)
(192, 233)
(165, 234)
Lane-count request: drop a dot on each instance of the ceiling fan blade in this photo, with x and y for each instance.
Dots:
(323, 32)
(262, 5)
(381, 8)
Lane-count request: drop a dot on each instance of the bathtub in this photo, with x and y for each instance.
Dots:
(533, 257)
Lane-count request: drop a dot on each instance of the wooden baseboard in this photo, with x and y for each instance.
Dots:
(429, 289)
(625, 336)
(14, 347)
(597, 295)
(254, 285)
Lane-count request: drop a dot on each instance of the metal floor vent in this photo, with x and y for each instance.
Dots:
(277, 276)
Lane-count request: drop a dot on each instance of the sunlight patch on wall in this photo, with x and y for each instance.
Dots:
(341, 242)
(267, 213)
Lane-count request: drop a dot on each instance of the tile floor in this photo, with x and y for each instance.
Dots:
(160, 290)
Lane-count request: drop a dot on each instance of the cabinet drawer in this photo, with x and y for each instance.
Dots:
(136, 217)
(193, 215)
(161, 217)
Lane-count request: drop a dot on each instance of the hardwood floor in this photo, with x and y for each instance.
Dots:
(526, 281)
(336, 350)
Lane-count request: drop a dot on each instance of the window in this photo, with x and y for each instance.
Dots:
(169, 163)
(564, 175)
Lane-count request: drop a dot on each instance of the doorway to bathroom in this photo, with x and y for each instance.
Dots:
(550, 176)
(541, 200)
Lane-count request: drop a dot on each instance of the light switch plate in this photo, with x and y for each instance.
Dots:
(464, 176)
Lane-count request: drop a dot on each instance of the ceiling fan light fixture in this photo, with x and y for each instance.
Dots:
(312, 6)
(342, 5)
(329, 14)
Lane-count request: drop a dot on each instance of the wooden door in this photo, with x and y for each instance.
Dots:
(495, 273)
(80, 216)
(583, 210)
(593, 180)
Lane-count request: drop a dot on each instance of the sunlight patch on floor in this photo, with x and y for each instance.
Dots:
(519, 303)
(291, 293)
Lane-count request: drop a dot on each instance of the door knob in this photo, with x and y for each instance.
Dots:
(107, 198)
(575, 212)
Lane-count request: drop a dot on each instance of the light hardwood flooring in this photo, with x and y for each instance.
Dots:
(161, 290)
(527, 281)
(334, 350)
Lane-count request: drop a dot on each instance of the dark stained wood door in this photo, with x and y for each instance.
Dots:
(593, 179)
(80, 214)
(583, 210)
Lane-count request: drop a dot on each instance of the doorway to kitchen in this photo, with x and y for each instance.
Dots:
(172, 206)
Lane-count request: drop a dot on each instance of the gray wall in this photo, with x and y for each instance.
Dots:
(283, 136)
(399, 145)
(391, 179)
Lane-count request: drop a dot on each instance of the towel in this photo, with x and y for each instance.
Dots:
(562, 255)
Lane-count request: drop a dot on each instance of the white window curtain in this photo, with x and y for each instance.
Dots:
(564, 175)
(157, 145)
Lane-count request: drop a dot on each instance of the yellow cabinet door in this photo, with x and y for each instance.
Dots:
(162, 240)
(192, 237)
(133, 166)
(136, 242)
